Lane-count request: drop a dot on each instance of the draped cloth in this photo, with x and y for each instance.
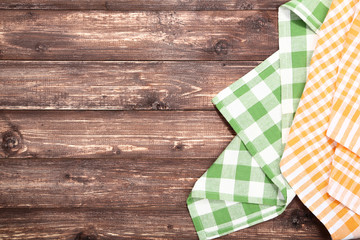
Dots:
(322, 158)
(244, 186)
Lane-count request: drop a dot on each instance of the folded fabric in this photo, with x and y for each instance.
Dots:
(344, 124)
(321, 160)
(245, 186)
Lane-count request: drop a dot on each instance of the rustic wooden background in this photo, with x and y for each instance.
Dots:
(106, 121)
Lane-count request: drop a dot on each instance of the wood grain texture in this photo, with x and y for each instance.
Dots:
(118, 134)
(119, 223)
(122, 174)
(93, 85)
(100, 35)
(142, 5)
(118, 199)
(99, 183)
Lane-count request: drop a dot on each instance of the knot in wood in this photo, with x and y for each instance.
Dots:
(297, 219)
(184, 1)
(221, 47)
(30, 14)
(258, 23)
(244, 5)
(158, 105)
(82, 236)
(108, 6)
(11, 142)
(178, 146)
(39, 47)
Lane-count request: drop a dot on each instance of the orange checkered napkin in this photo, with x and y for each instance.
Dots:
(344, 128)
(321, 160)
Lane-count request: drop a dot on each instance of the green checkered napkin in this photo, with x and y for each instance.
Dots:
(245, 186)
(298, 23)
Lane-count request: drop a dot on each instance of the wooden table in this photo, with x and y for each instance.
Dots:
(106, 121)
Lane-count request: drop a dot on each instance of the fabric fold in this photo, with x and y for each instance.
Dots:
(244, 186)
(320, 160)
(344, 122)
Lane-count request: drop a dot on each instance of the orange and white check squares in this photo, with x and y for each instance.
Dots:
(344, 128)
(322, 156)
(344, 125)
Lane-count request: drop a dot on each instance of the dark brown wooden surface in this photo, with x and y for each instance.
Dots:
(142, 5)
(145, 85)
(148, 35)
(106, 119)
(128, 223)
(118, 134)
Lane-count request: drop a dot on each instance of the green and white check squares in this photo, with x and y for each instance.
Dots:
(245, 186)
(230, 195)
(258, 117)
(296, 42)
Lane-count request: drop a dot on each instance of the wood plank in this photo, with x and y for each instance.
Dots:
(86, 223)
(117, 134)
(109, 35)
(118, 199)
(106, 198)
(174, 85)
(142, 5)
(143, 184)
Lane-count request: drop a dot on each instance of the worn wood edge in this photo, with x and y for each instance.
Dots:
(156, 35)
(118, 85)
(141, 5)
